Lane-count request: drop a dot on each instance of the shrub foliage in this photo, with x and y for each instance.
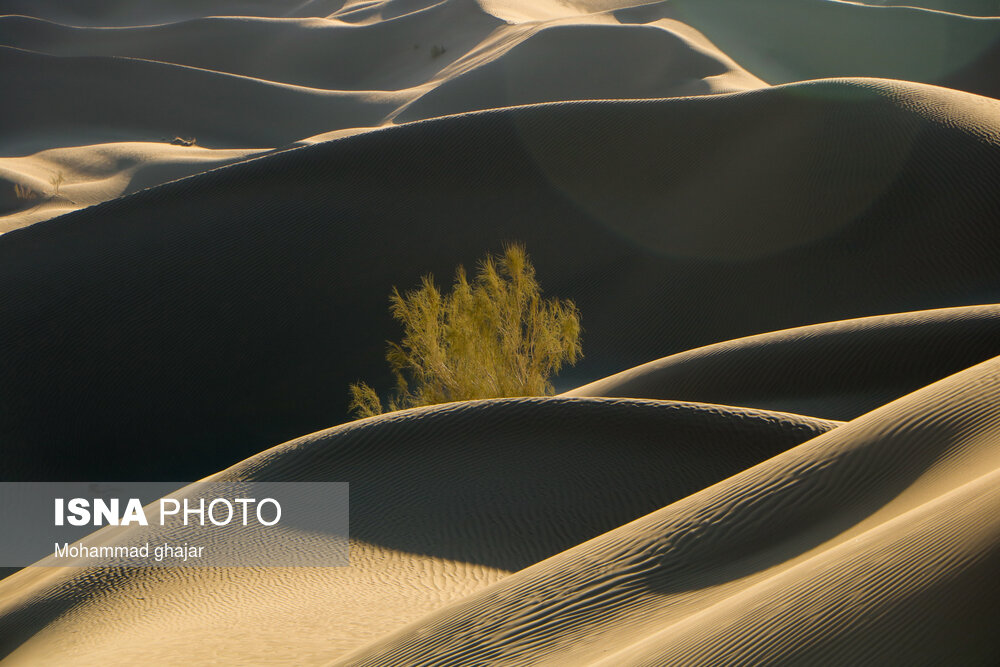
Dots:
(491, 337)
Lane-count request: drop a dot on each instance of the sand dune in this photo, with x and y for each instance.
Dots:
(114, 99)
(88, 175)
(444, 501)
(871, 544)
(771, 215)
(148, 12)
(263, 270)
(792, 40)
(560, 63)
(834, 541)
(965, 7)
(190, 79)
(315, 53)
(154, 72)
(840, 370)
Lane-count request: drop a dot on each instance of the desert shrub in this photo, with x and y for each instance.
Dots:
(56, 181)
(491, 337)
(24, 192)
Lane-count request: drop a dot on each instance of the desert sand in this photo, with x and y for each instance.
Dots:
(778, 219)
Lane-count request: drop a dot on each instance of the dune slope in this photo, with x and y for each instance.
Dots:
(838, 369)
(793, 40)
(250, 76)
(314, 73)
(204, 205)
(264, 270)
(870, 544)
(443, 501)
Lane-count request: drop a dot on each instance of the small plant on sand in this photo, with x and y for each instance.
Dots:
(56, 182)
(491, 337)
(437, 50)
(23, 192)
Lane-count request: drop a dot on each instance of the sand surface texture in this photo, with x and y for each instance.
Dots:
(778, 218)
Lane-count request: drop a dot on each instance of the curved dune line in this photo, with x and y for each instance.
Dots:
(836, 369)
(314, 53)
(123, 303)
(321, 69)
(208, 201)
(443, 501)
(874, 541)
(142, 100)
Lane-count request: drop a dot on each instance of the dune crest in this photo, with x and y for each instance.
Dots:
(146, 72)
(871, 542)
(444, 500)
(839, 369)
(778, 221)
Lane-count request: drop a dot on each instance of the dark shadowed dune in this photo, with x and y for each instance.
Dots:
(281, 74)
(106, 100)
(872, 544)
(204, 205)
(792, 40)
(966, 7)
(287, 73)
(443, 500)
(451, 469)
(560, 63)
(206, 315)
(147, 12)
(839, 370)
(310, 52)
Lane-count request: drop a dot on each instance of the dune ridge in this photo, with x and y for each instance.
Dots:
(889, 512)
(870, 542)
(840, 369)
(203, 207)
(152, 73)
(222, 270)
(444, 500)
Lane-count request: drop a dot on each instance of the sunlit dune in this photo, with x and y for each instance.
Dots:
(778, 220)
